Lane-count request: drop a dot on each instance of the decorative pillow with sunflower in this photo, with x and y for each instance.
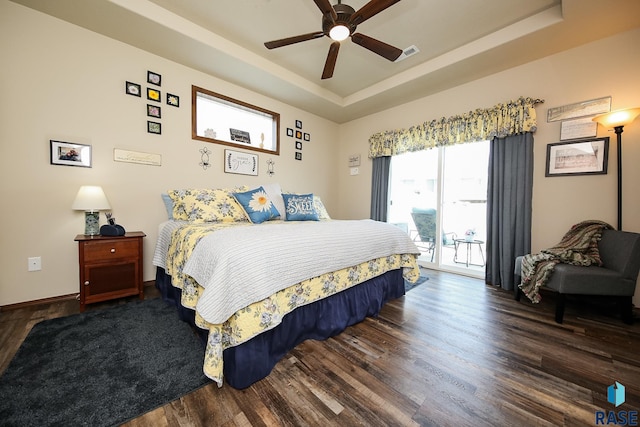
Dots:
(257, 205)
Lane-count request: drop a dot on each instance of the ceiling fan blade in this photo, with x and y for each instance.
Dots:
(376, 46)
(370, 9)
(326, 9)
(330, 64)
(295, 39)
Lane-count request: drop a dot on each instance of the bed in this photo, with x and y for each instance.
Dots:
(255, 286)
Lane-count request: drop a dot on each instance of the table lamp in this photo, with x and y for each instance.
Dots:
(618, 120)
(91, 199)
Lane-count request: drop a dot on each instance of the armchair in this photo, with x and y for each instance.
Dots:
(616, 278)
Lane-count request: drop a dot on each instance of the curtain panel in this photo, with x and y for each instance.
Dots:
(380, 188)
(509, 207)
(511, 118)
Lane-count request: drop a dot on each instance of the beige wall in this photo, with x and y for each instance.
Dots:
(607, 67)
(62, 82)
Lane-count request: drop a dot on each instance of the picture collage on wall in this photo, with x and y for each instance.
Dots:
(154, 94)
(299, 136)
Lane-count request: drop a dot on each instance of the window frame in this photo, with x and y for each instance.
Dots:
(275, 120)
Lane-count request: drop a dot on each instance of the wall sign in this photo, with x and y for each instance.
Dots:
(579, 109)
(136, 157)
(240, 163)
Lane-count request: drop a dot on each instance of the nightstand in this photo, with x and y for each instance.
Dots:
(110, 267)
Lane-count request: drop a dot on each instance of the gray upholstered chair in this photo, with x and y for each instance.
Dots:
(620, 254)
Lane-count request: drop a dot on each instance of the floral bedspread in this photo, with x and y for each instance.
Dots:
(266, 314)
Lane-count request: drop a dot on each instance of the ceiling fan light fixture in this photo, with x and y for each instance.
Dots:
(339, 22)
(339, 32)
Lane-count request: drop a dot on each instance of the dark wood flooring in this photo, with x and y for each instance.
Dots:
(452, 352)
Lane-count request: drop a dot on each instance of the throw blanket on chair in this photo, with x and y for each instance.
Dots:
(579, 246)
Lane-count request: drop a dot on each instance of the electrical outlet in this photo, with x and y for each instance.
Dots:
(354, 171)
(34, 263)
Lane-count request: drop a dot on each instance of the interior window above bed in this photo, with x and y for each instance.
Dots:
(222, 120)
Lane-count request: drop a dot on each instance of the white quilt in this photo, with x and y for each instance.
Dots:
(262, 259)
(165, 230)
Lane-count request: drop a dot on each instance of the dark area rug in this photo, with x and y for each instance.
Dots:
(408, 285)
(101, 368)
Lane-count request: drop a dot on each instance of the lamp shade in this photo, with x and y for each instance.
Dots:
(617, 118)
(91, 198)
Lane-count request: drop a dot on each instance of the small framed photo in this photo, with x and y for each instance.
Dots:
(307, 137)
(298, 145)
(298, 134)
(154, 127)
(154, 78)
(579, 157)
(154, 111)
(173, 100)
(132, 89)
(70, 154)
(298, 124)
(153, 94)
(289, 132)
(298, 155)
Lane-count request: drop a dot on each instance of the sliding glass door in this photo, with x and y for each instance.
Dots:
(438, 197)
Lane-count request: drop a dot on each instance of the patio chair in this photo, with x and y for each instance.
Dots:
(425, 222)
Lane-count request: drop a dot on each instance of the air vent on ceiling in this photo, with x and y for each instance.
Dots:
(407, 52)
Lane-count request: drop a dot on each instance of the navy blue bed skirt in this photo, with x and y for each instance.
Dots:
(254, 360)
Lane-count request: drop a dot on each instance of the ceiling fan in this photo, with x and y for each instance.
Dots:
(339, 22)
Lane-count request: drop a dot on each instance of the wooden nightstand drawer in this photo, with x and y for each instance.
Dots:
(110, 267)
(110, 250)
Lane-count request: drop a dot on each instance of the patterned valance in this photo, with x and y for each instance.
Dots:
(501, 120)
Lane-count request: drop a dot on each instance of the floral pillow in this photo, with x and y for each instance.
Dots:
(257, 205)
(300, 207)
(206, 205)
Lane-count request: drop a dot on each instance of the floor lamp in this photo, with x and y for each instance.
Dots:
(618, 120)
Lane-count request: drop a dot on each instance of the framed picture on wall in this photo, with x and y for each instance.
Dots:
(70, 154)
(578, 157)
(240, 163)
(153, 94)
(154, 127)
(132, 89)
(153, 111)
(173, 100)
(154, 78)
